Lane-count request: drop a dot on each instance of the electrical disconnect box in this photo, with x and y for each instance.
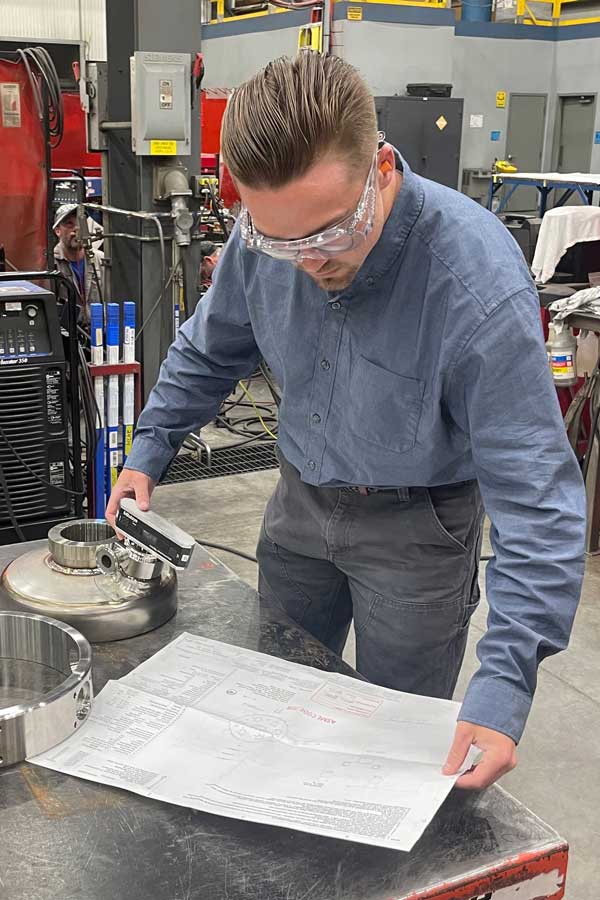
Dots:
(160, 103)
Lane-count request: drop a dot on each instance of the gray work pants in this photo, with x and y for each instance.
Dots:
(403, 564)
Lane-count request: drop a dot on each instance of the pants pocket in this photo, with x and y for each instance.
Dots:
(455, 511)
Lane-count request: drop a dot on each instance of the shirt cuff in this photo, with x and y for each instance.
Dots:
(494, 704)
(149, 457)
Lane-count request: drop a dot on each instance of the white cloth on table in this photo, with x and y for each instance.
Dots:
(584, 302)
(562, 228)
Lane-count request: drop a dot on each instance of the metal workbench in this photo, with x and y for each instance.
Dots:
(75, 840)
(583, 185)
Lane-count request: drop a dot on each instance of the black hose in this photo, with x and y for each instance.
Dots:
(11, 512)
(31, 471)
(217, 211)
(227, 549)
(157, 303)
(38, 62)
(92, 262)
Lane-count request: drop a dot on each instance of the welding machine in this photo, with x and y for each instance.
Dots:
(34, 435)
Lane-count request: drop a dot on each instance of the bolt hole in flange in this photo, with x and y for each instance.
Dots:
(83, 703)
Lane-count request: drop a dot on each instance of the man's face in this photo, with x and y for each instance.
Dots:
(68, 233)
(208, 266)
(328, 193)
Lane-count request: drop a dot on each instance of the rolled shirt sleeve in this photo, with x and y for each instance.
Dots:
(502, 394)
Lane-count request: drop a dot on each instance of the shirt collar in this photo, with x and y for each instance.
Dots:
(398, 226)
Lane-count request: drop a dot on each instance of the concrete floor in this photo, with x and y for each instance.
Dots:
(558, 776)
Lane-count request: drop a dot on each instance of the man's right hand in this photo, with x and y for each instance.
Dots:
(130, 483)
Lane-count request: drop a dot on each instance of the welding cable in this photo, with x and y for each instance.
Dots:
(41, 61)
(142, 238)
(217, 211)
(243, 431)
(158, 301)
(260, 418)
(227, 549)
(11, 512)
(253, 559)
(31, 471)
(92, 262)
(230, 402)
(91, 414)
(145, 216)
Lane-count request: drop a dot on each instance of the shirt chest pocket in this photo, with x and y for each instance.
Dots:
(385, 407)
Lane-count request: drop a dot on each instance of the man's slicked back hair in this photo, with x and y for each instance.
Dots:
(294, 112)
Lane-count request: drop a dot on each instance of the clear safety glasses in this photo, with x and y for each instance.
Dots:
(340, 238)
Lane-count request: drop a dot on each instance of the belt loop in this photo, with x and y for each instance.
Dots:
(403, 494)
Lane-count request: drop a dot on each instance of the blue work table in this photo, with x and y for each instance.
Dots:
(583, 185)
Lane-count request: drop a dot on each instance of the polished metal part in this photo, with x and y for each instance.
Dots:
(103, 607)
(38, 723)
(128, 560)
(73, 545)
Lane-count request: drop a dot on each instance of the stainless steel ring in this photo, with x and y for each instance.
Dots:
(36, 725)
(74, 544)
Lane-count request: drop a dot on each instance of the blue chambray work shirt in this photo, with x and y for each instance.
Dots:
(429, 369)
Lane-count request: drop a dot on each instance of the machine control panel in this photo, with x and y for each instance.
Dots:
(23, 328)
(67, 190)
(29, 324)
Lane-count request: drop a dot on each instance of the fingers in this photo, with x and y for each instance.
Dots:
(463, 738)
(112, 506)
(142, 493)
(130, 483)
(492, 767)
(499, 755)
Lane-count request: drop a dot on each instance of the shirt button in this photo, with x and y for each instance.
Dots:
(311, 464)
(336, 304)
(370, 281)
(325, 364)
(316, 418)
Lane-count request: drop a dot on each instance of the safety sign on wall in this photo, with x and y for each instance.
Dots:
(500, 99)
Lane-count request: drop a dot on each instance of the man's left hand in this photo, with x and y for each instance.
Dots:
(499, 755)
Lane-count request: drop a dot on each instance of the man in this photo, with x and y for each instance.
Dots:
(402, 325)
(209, 254)
(84, 270)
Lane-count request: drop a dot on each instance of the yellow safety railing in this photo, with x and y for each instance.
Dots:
(272, 10)
(526, 16)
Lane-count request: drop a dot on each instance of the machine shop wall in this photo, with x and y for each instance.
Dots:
(390, 56)
(476, 67)
(60, 20)
(578, 72)
(230, 60)
(481, 67)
